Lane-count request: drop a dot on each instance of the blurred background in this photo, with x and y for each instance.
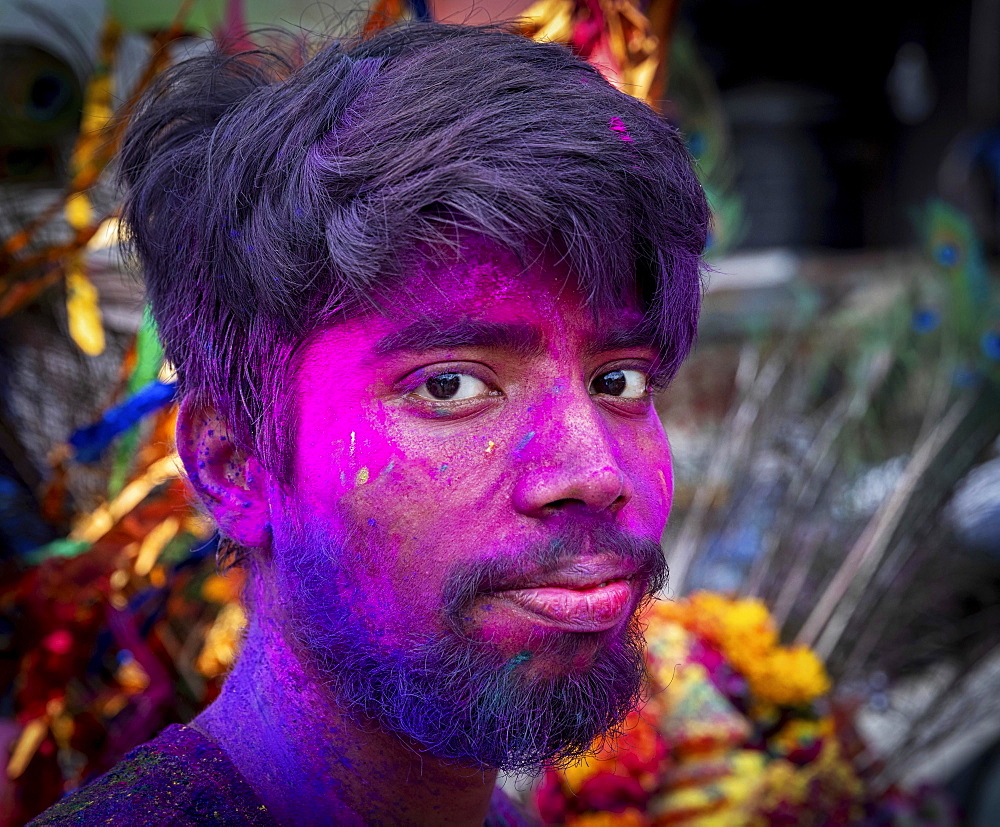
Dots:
(835, 433)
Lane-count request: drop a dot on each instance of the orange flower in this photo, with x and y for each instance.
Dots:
(629, 818)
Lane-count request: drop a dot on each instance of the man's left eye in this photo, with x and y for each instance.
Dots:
(622, 383)
(451, 387)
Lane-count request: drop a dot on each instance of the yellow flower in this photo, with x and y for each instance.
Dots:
(827, 782)
(788, 676)
(582, 771)
(798, 733)
(744, 632)
(719, 801)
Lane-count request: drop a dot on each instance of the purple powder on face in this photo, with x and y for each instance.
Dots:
(456, 695)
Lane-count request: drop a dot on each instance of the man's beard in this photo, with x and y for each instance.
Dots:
(459, 698)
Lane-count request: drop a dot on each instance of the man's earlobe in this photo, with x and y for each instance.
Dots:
(232, 485)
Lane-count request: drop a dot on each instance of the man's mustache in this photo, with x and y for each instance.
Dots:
(512, 568)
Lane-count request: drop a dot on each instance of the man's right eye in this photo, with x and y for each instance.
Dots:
(452, 387)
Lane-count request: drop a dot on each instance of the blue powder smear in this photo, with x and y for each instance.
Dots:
(517, 660)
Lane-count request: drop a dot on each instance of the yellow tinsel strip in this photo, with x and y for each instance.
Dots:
(549, 21)
(100, 521)
(154, 543)
(26, 746)
(628, 40)
(83, 309)
(222, 641)
(87, 162)
(90, 152)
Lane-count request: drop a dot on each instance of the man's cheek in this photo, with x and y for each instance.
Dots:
(407, 516)
(352, 460)
(413, 490)
(653, 483)
(651, 505)
(325, 470)
(446, 458)
(421, 515)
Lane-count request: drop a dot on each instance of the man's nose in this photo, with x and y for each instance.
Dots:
(571, 462)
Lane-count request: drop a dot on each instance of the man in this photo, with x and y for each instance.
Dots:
(418, 292)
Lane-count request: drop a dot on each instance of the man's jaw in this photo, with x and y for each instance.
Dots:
(504, 689)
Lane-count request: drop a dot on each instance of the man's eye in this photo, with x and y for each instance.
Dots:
(623, 383)
(452, 387)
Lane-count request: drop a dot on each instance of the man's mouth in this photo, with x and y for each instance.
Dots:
(585, 598)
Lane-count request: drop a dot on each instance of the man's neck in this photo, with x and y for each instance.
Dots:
(312, 763)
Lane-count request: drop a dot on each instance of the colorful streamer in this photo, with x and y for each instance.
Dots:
(83, 310)
(90, 441)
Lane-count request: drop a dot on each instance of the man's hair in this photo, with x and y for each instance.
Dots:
(269, 196)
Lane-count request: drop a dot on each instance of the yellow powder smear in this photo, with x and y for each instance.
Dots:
(362, 476)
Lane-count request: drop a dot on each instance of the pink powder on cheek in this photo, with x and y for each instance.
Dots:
(338, 451)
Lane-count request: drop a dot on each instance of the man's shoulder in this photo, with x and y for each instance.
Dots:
(180, 777)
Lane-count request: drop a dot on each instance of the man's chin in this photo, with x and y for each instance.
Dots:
(515, 686)
(546, 652)
(479, 704)
(575, 655)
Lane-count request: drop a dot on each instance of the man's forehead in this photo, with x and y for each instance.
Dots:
(482, 295)
(482, 281)
(523, 338)
(479, 272)
(486, 300)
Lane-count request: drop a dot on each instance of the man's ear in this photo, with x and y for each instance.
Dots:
(232, 485)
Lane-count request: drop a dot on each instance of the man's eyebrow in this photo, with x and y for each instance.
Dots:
(432, 334)
(622, 338)
(639, 337)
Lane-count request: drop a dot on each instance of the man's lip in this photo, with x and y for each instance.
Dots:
(581, 573)
(594, 609)
(587, 595)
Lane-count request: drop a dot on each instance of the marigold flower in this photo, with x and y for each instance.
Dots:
(789, 676)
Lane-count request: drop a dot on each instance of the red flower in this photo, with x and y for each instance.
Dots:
(613, 793)
(550, 799)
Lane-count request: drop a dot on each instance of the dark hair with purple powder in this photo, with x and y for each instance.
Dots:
(269, 196)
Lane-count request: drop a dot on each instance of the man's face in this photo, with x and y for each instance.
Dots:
(479, 480)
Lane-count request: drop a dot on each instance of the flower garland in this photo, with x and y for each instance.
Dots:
(734, 732)
(743, 633)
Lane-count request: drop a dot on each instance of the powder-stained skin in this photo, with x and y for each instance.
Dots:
(510, 527)
(447, 499)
